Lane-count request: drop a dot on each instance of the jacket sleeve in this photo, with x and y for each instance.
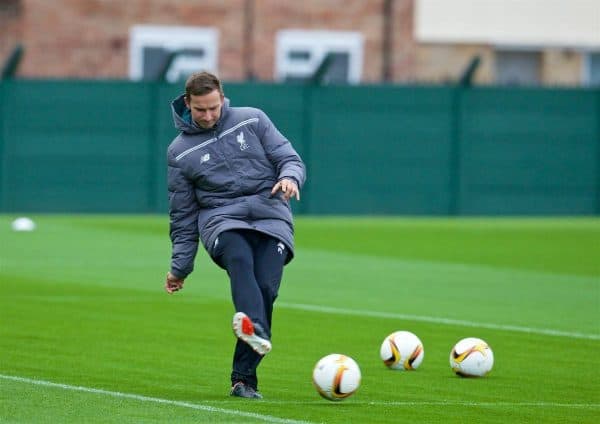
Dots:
(280, 151)
(183, 226)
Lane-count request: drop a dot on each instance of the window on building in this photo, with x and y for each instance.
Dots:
(171, 52)
(591, 69)
(518, 67)
(302, 53)
(11, 8)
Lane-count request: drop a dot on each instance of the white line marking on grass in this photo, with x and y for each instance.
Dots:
(206, 408)
(272, 419)
(489, 404)
(439, 320)
(444, 403)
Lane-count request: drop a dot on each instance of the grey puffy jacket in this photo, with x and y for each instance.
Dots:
(221, 179)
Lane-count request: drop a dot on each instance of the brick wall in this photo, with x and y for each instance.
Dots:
(10, 27)
(90, 38)
(440, 63)
(365, 16)
(561, 67)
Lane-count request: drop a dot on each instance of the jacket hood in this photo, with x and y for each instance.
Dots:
(182, 117)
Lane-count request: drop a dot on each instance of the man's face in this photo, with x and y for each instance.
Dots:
(205, 109)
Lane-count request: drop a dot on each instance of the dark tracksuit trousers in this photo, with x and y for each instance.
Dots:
(254, 262)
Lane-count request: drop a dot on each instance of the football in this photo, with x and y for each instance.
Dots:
(402, 350)
(336, 376)
(23, 224)
(471, 357)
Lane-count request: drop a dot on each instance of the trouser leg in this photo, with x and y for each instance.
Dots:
(254, 263)
(268, 270)
(237, 257)
(269, 259)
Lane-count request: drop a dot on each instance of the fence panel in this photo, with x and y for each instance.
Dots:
(380, 150)
(528, 151)
(100, 146)
(75, 146)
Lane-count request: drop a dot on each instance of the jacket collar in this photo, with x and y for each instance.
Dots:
(182, 118)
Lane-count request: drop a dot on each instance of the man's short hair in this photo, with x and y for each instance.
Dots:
(201, 83)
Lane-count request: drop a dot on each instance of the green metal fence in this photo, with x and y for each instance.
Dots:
(99, 146)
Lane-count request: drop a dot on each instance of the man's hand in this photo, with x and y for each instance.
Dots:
(288, 187)
(173, 283)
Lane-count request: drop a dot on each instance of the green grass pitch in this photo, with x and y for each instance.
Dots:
(87, 333)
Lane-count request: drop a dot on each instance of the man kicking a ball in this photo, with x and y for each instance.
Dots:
(231, 175)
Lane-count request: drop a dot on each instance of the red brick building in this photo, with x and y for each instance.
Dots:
(90, 38)
(93, 38)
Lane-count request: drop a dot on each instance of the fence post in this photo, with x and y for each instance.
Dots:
(1, 146)
(152, 165)
(454, 207)
(598, 151)
(307, 100)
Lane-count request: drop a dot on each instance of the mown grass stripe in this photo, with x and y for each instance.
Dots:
(200, 407)
(438, 320)
(272, 419)
(499, 404)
